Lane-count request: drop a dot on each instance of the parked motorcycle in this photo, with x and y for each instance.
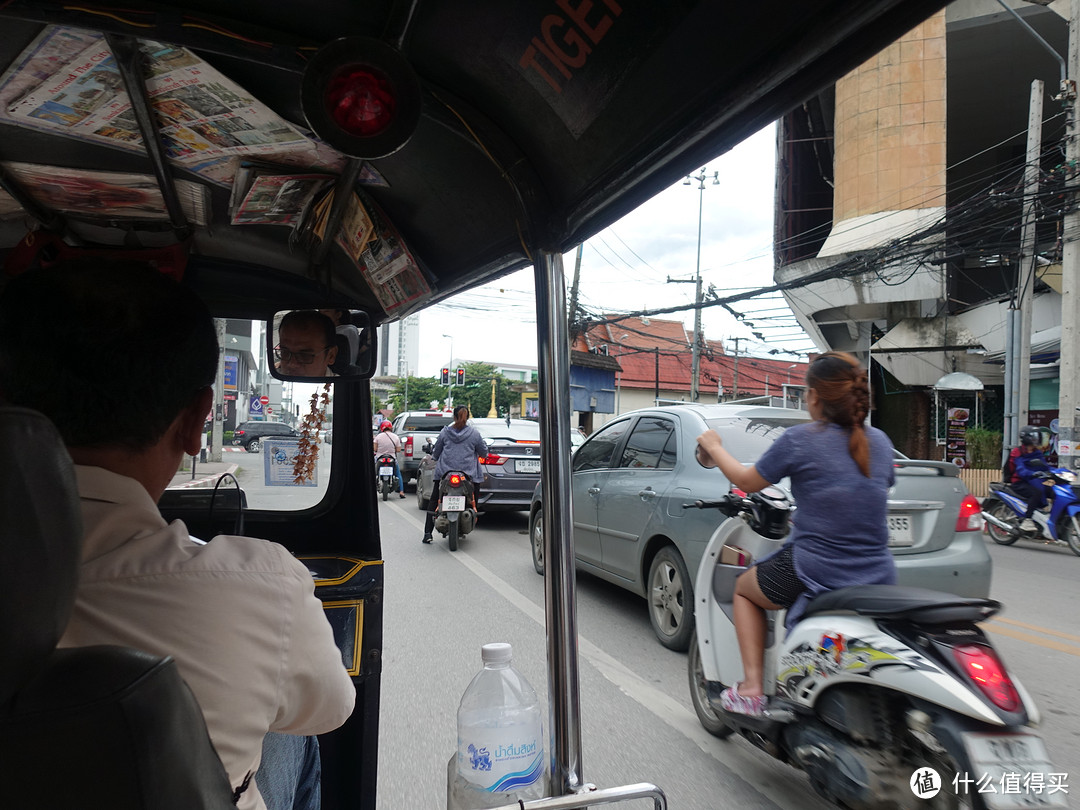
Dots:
(1003, 510)
(875, 685)
(387, 472)
(455, 515)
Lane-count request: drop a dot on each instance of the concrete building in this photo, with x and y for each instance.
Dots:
(399, 347)
(899, 212)
(655, 365)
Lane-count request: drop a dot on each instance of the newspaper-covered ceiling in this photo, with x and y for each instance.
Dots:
(67, 81)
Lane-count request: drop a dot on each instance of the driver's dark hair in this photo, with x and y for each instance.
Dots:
(130, 350)
(305, 319)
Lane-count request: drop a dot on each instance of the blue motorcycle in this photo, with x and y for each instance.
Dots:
(1003, 510)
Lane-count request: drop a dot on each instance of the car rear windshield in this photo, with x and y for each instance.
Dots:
(524, 432)
(748, 438)
(427, 423)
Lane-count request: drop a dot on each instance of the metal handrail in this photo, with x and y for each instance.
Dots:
(594, 796)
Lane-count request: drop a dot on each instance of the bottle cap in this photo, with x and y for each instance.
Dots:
(498, 652)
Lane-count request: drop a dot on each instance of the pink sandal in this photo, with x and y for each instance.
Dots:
(735, 703)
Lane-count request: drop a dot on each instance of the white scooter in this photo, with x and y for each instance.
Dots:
(874, 687)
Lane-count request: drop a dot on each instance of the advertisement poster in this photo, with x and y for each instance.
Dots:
(956, 436)
(230, 372)
(279, 461)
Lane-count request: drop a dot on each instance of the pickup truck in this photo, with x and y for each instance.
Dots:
(415, 429)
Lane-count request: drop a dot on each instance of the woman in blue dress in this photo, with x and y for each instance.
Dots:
(840, 471)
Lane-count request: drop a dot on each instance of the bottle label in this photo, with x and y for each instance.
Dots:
(501, 759)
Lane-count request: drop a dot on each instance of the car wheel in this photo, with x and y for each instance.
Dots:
(536, 540)
(254, 446)
(998, 534)
(710, 720)
(671, 599)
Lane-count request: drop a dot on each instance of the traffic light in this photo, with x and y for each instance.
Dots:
(444, 377)
(461, 376)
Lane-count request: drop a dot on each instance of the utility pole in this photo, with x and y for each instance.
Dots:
(1025, 271)
(735, 372)
(218, 434)
(656, 367)
(1069, 395)
(574, 292)
(696, 362)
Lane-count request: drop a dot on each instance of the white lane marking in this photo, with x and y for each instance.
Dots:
(786, 790)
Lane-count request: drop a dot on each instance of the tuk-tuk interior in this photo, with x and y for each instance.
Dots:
(512, 132)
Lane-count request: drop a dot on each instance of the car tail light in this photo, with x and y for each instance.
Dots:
(408, 446)
(981, 664)
(239, 432)
(970, 519)
(455, 480)
(493, 458)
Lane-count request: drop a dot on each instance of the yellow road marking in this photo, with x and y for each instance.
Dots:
(1045, 631)
(1030, 639)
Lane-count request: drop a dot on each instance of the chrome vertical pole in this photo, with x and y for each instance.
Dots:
(553, 353)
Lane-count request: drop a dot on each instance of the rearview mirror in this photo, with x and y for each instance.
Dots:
(321, 345)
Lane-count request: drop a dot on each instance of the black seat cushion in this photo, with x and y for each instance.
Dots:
(40, 541)
(110, 728)
(88, 727)
(920, 605)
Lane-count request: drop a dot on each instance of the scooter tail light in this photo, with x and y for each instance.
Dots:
(970, 519)
(981, 664)
(455, 480)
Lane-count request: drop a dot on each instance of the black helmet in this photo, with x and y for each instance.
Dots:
(1030, 436)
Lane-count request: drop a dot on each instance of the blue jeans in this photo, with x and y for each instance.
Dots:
(289, 776)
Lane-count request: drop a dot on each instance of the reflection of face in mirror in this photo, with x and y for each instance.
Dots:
(306, 345)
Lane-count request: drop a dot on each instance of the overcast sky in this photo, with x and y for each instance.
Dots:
(625, 268)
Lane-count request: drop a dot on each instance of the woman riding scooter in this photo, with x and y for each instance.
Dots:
(459, 447)
(834, 460)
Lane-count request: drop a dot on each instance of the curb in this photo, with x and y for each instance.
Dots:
(206, 480)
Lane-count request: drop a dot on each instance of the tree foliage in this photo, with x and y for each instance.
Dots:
(476, 392)
(421, 390)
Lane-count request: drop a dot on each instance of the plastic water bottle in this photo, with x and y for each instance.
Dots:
(500, 756)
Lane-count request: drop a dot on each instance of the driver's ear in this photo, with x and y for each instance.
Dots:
(192, 420)
(331, 355)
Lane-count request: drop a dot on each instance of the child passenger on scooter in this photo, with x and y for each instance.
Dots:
(840, 471)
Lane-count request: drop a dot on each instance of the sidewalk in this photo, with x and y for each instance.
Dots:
(206, 474)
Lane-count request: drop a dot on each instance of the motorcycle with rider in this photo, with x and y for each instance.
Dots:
(1035, 501)
(458, 472)
(805, 646)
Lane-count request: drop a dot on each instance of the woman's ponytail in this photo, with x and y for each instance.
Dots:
(844, 392)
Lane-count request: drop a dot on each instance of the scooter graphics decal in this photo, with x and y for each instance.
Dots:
(835, 654)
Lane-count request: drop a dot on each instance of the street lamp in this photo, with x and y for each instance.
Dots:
(789, 368)
(450, 381)
(696, 364)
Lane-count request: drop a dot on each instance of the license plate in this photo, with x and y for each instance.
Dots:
(386, 470)
(900, 531)
(527, 465)
(453, 503)
(1012, 771)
